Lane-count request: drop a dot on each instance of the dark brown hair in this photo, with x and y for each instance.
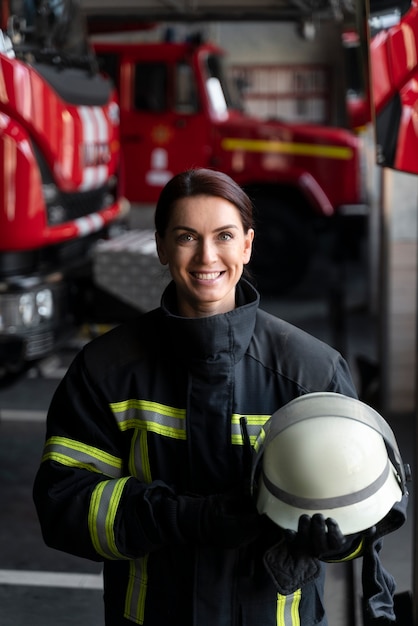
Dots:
(201, 182)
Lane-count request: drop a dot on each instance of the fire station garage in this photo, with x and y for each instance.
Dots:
(310, 105)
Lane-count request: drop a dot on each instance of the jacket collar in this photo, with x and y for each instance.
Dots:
(215, 337)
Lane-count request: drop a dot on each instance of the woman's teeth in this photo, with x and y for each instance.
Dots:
(210, 276)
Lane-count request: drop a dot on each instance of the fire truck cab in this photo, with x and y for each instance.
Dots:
(179, 110)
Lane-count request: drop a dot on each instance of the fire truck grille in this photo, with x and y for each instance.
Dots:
(39, 344)
(70, 206)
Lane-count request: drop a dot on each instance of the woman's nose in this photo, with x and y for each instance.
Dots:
(207, 251)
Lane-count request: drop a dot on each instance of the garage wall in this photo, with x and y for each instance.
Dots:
(268, 42)
(280, 42)
(399, 307)
(256, 42)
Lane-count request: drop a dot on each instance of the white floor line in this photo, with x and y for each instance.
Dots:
(23, 415)
(51, 579)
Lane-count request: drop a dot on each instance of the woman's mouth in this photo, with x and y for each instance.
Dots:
(206, 275)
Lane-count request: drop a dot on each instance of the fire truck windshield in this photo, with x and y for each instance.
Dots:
(221, 90)
(48, 29)
(384, 14)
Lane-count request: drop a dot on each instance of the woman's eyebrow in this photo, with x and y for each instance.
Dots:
(193, 230)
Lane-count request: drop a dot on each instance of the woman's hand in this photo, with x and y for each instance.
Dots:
(321, 537)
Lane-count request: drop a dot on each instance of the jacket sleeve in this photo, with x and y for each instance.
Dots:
(342, 381)
(87, 502)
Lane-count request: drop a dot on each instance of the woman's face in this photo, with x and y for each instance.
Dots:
(205, 248)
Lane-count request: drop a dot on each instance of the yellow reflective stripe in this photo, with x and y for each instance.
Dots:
(288, 147)
(133, 462)
(281, 601)
(254, 425)
(169, 421)
(151, 416)
(137, 590)
(77, 454)
(104, 505)
(295, 620)
(353, 555)
(288, 609)
(260, 440)
(355, 552)
(147, 405)
(139, 463)
(146, 467)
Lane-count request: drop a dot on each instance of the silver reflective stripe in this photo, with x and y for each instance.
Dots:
(76, 454)
(335, 502)
(139, 465)
(254, 424)
(151, 416)
(288, 609)
(137, 590)
(104, 504)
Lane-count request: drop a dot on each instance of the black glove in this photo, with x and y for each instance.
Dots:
(224, 520)
(288, 566)
(294, 560)
(320, 538)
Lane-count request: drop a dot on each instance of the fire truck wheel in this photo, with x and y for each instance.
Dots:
(283, 246)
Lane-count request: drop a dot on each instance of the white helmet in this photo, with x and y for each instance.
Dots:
(327, 453)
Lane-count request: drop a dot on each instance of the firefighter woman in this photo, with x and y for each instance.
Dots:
(148, 451)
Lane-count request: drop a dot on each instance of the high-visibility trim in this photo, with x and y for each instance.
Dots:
(254, 423)
(151, 416)
(137, 590)
(132, 464)
(288, 147)
(148, 405)
(139, 463)
(295, 615)
(353, 555)
(104, 505)
(288, 609)
(170, 421)
(333, 502)
(146, 467)
(77, 454)
(259, 440)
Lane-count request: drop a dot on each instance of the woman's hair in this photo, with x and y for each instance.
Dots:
(201, 182)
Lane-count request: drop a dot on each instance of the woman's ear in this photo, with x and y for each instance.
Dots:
(161, 249)
(248, 245)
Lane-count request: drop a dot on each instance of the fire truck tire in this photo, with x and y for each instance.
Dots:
(283, 246)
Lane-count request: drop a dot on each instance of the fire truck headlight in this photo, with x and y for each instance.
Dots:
(27, 308)
(35, 306)
(51, 193)
(45, 304)
(55, 212)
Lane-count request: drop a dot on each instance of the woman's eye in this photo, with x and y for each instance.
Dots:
(185, 237)
(225, 236)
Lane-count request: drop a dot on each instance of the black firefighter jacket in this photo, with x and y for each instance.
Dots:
(158, 402)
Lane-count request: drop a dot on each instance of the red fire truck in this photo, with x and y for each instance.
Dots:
(179, 109)
(393, 68)
(393, 61)
(59, 159)
(382, 60)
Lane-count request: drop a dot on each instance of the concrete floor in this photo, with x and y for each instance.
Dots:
(42, 587)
